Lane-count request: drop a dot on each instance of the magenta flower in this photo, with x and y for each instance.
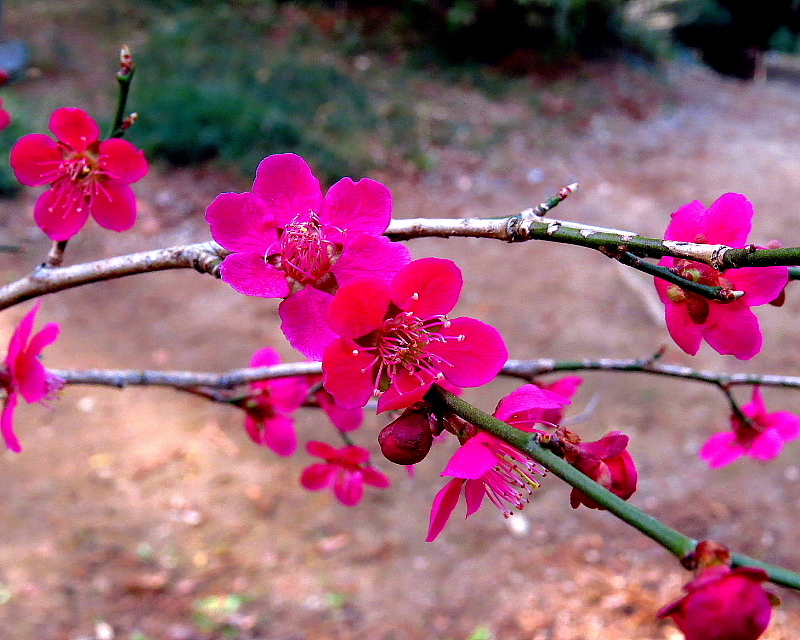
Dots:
(729, 327)
(85, 175)
(763, 438)
(289, 242)
(345, 469)
(24, 374)
(564, 387)
(486, 466)
(397, 339)
(723, 604)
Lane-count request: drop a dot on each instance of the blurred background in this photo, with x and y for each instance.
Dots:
(146, 515)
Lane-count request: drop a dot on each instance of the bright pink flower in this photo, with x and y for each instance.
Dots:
(564, 387)
(86, 175)
(5, 116)
(730, 328)
(397, 338)
(607, 462)
(23, 372)
(487, 466)
(346, 469)
(290, 242)
(763, 438)
(723, 604)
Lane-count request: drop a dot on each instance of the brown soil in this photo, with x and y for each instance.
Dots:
(147, 514)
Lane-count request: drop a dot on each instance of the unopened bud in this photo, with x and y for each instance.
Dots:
(125, 62)
(408, 439)
(128, 122)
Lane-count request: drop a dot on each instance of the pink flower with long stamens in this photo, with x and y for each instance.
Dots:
(729, 327)
(762, 437)
(486, 466)
(346, 470)
(86, 175)
(23, 373)
(396, 339)
(288, 241)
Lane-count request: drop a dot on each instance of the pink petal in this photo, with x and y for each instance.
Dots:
(733, 329)
(375, 478)
(526, 399)
(721, 449)
(729, 220)
(662, 285)
(359, 307)
(30, 377)
(322, 450)
(343, 419)
(349, 488)
(474, 492)
(756, 406)
(443, 504)
(428, 287)
(114, 207)
(240, 222)
(287, 187)
(45, 337)
(475, 360)
(473, 459)
(288, 394)
(687, 222)
(21, 335)
(406, 389)
(57, 213)
(266, 357)
(610, 445)
(785, 423)
(566, 387)
(7, 422)
(354, 455)
(279, 434)
(369, 256)
(348, 375)
(75, 127)
(357, 207)
(121, 161)
(760, 284)
(317, 476)
(766, 446)
(250, 275)
(687, 334)
(34, 158)
(304, 321)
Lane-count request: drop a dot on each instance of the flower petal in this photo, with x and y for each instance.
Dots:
(733, 329)
(287, 187)
(766, 446)
(785, 423)
(370, 256)
(474, 493)
(687, 222)
(240, 222)
(428, 287)
(30, 377)
(443, 504)
(359, 307)
(528, 398)
(114, 206)
(357, 207)
(721, 449)
(317, 476)
(321, 450)
(250, 275)
(21, 335)
(760, 284)
(473, 360)
(729, 220)
(348, 375)
(304, 321)
(343, 419)
(375, 478)
(349, 487)
(265, 357)
(43, 338)
(687, 334)
(34, 158)
(121, 161)
(58, 215)
(406, 389)
(75, 127)
(278, 433)
(7, 422)
(473, 459)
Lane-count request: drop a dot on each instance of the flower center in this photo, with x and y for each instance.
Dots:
(306, 254)
(697, 305)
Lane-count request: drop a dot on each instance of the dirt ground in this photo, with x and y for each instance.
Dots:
(146, 514)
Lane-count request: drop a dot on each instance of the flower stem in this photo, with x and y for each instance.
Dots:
(124, 78)
(673, 541)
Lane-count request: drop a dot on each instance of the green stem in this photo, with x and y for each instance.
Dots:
(673, 541)
(124, 82)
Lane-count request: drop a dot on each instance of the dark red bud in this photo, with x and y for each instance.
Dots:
(407, 440)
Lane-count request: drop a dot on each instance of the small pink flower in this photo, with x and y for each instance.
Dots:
(607, 462)
(86, 175)
(397, 339)
(345, 469)
(763, 438)
(723, 604)
(24, 374)
(730, 328)
(486, 466)
(289, 242)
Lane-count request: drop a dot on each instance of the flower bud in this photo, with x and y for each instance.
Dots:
(408, 439)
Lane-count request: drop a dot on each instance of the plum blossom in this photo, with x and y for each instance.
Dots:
(86, 175)
(346, 470)
(729, 327)
(761, 437)
(23, 373)
(485, 466)
(395, 339)
(288, 241)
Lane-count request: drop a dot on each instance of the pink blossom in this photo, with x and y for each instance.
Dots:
(723, 604)
(24, 374)
(397, 339)
(345, 469)
(287, 241)
(729, 327)
(607, 462)
(523, 401)
(762, 438)
(486, 466)
(86, 175)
